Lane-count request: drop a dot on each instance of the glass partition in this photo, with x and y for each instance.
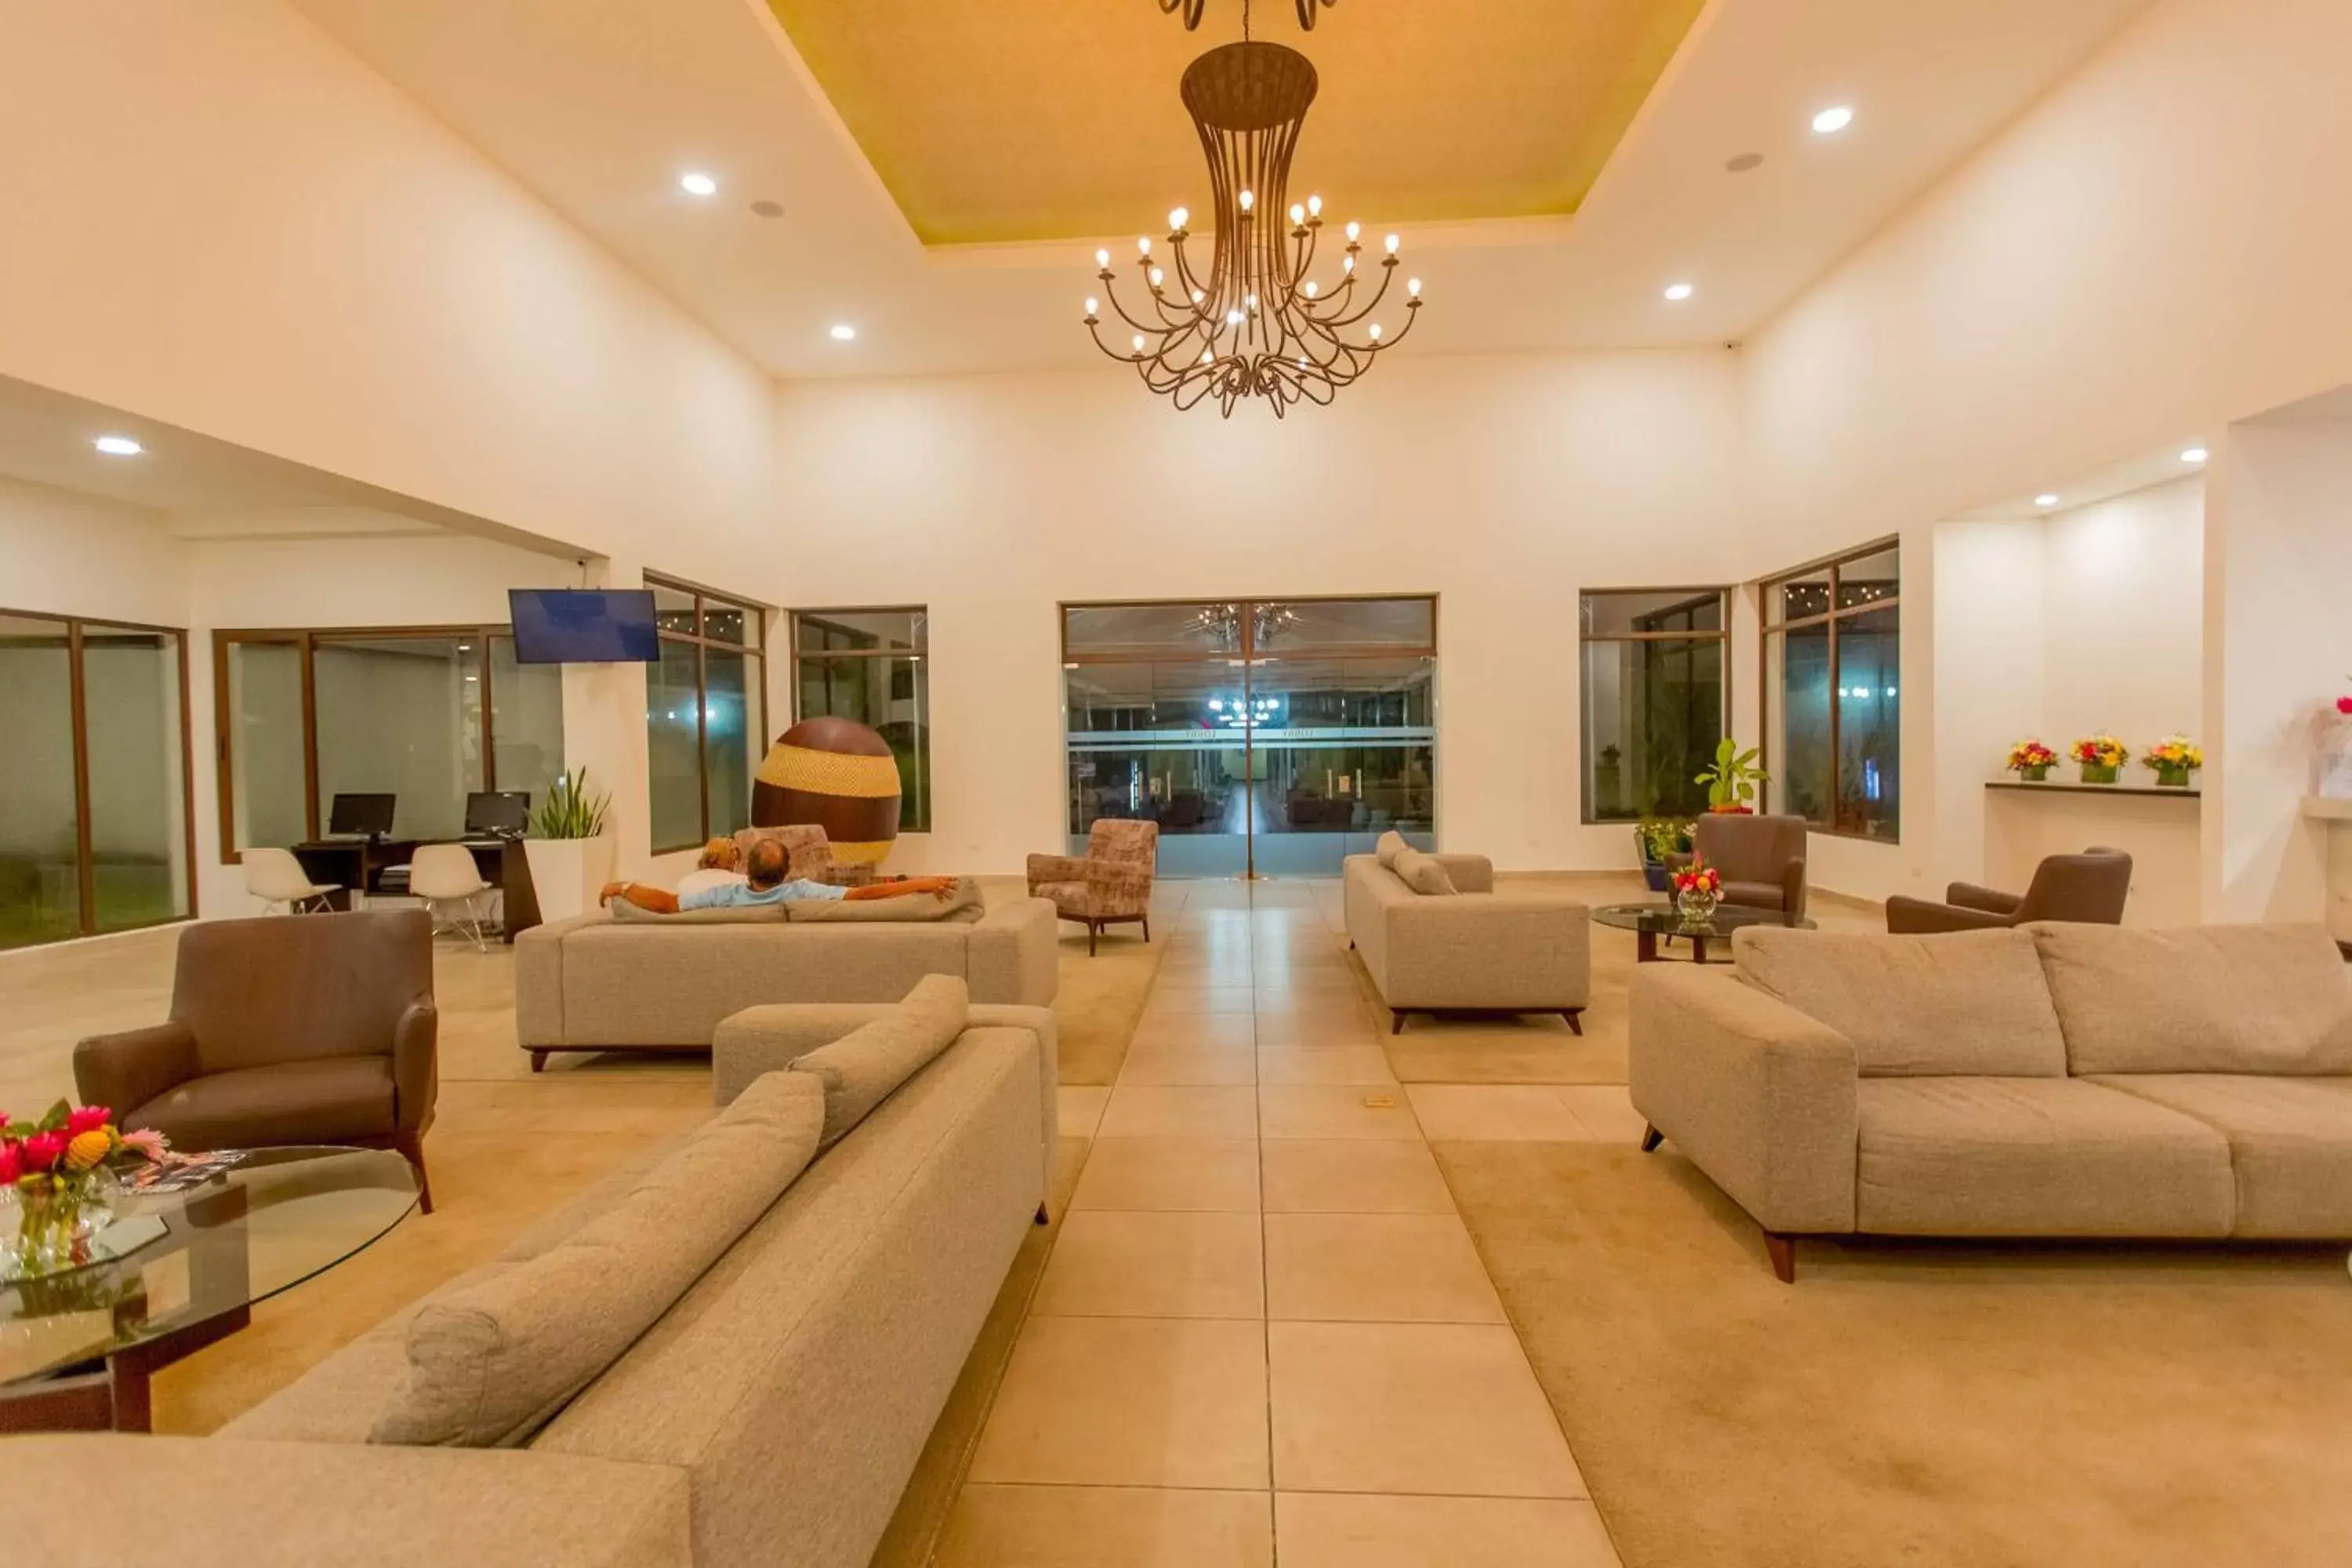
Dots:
(1834, 692)
(1653, 701)
(706, 731)
(873, 666)
(40, 822)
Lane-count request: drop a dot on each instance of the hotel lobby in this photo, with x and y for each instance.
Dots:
(1586, 767)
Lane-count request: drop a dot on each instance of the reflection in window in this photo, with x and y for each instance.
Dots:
(1653, 701)
(704, 715)
(1834, 695)
(401, 716)
(873, 666)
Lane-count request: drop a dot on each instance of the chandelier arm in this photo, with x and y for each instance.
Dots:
(1387, 274)
(1110, 294)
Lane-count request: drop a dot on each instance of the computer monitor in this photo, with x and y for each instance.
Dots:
(360, 816)
(501, 814)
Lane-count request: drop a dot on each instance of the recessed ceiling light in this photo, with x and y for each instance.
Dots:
(1678, 291)
(842, 332)
(2195, 455)
(117, 445)
(2045, 502)
(699, 183)
(1831, 120)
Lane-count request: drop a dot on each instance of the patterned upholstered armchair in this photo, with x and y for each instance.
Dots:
(808, 855)
(1109, 885)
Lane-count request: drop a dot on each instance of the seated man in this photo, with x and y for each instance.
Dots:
(720, 863)
(765, 866)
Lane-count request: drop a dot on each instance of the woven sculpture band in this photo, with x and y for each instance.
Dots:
(836, 775)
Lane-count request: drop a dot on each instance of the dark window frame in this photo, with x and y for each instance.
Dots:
(921, 653)
(86, 865)
(753, 648)
(1719, 595)
(1830, 618)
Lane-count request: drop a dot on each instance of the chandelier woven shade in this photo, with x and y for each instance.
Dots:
(1257, 324)
(1194, 9)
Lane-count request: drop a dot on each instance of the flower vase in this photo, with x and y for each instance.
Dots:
(2034, 773)
(2098, 772)
(53, 1222)
(1695, 905)
(2172, 777)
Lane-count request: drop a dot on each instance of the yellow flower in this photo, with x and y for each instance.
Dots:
(86, 1150)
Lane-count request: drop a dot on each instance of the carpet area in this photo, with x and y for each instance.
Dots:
(1916, 1403)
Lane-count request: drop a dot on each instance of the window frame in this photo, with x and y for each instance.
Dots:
(1721, 635)
(86, 865)
(307, 639)
(919, 654)
(754, 649)
(1834, 566)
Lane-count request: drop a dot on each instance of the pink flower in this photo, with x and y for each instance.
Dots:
(2344, 705)
(42, 1151)
(12, 1165)
(147, 1144)
(88, 1118)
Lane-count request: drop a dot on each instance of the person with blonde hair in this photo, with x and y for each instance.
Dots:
(721, 864)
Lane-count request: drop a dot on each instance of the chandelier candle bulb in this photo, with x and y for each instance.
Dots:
(1315, 206)
(1392, 242)
(1143, 245)
(1297, 213)
(1102, 259)
(1091, 307)
(1249, 200)
(1313, 288)
(1355, 231)
(1176, 219)
(1413, 286)
(1373, 331)
(1158, 278)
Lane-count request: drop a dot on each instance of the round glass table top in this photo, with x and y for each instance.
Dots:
(237, 1233)
(1661, 919)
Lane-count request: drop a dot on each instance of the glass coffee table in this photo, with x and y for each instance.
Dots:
(176, 1271)
(1652, 920)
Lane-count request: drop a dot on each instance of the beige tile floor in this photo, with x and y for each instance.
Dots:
(1264, 1329)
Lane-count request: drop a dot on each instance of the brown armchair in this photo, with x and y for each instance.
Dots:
(1109, 885)
(319, 1030)
(1762, 858)
(2089, 889)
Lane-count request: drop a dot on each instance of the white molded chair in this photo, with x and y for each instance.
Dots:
(443, 877)
(278, 880)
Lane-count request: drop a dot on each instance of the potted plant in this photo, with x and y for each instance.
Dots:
(2100, 758)
(2174, 758)
(1657, 837)
(569, 852)
(2031, 761)
(1731, 780)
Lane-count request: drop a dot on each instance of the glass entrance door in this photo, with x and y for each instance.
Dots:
(1265, 737)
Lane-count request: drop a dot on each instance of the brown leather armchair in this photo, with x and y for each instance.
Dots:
(1762, 858)
(2089, 889)
(318, 1030)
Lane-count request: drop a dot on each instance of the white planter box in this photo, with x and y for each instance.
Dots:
(568, 873)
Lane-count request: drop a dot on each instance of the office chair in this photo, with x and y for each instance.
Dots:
(278, 880)
(443, 877)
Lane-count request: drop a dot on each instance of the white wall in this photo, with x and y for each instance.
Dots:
(1503, 485)
(65, 554)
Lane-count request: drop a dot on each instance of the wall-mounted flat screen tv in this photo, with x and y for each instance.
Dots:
(583, 626)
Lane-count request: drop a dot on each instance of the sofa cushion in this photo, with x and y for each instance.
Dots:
(488, 1364)
(326, 1099)
(1388, 847)
(1424, 874)
(2033, 1156)
(1916, 1005)
(860, 1069)
(2208, 999)
(961, 903)
(628, 914)
(2290, 1144)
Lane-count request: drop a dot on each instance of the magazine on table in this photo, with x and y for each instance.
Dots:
(179, 1173)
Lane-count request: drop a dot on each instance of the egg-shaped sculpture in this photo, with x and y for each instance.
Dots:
(834, 774)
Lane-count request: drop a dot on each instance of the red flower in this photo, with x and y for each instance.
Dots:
(2344, 705)
(42, 1151)
(12, 1165)
(88, 1118)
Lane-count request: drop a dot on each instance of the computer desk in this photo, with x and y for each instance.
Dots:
(349, 865)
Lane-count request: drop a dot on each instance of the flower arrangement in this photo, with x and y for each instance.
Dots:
(2174, 758)
(2031, 760)
(2099, 757)
(1698, 886)
(60, 1170)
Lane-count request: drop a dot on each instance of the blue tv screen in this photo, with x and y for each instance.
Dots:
(583, 626)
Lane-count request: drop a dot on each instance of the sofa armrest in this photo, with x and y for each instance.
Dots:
(1968, 896)
(1919, 916)
(1055, 869)
(1468, 873)
(769, 1039)
(416, 1066)
(1015, 954)
(1038, 1021)
(1530, 950)
(539, 979)
(124, 1071)
(1758, 1095)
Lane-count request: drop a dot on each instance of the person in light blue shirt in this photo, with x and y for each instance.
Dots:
(768, 885)
(739, 895)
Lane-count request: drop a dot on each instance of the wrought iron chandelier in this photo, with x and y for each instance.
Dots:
(1256, 325)
(1194, 9)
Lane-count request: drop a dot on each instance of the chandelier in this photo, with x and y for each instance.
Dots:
(1222, 625)
(1256, 324)
(1192, 9)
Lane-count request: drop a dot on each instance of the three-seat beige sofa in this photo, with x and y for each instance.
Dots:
(1464, 948)
(2055, 1080)
(770, 1412)
(595, 982)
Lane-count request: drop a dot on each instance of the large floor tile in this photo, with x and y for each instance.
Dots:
(1334, 1110)
(1236, 1029)
(1092, 1527)
(1211, 1174)
(1605, 1109)
(1324, 1064)
(1080, 1109)
(1169, 999)
(1449, 1408)
(1197, 1064)
(1150, 1402)
(1116, 1264)
(1352, 1175)
(1336, 1529)
(1374, 1268)
(1494, 1113)
(1144, 1110)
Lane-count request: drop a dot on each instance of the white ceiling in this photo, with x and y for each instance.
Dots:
(599, 108)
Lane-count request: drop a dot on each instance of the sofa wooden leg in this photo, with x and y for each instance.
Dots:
(539, 1061)
(1146, 930)
(1782, 1251)
(1041, 1216)
(1396, 1020)
(411, 1148)
(1650, 1137)
(1575, 1017)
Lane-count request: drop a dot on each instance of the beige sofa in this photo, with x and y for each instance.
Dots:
(1471, 950)
(2056, 1081)
(596, 984)
(772, 1411)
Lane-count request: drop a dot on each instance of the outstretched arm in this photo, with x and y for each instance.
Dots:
(938, 887)
(660, 900)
